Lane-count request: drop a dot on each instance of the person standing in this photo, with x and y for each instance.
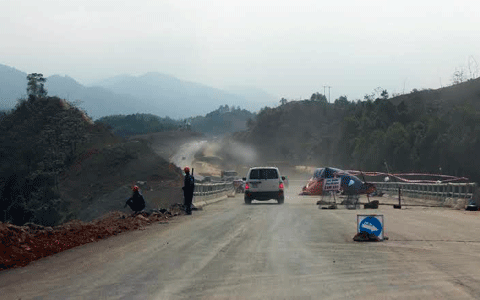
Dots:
(188, 188)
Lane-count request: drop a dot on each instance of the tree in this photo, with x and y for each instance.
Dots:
(283, 101)
(369, 97)
(223, 109)
(317, 97)
(342, 101)
(35, 86)
(250, 123)
(384, 94)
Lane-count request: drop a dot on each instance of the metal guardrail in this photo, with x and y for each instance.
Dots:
(206, 189)
(434, 190)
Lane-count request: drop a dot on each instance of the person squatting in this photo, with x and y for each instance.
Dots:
(136, 202)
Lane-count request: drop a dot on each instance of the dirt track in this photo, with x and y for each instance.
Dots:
(265, 250)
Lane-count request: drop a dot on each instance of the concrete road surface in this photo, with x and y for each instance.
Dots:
(268, 251)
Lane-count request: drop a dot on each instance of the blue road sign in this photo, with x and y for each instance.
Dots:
(371, 225)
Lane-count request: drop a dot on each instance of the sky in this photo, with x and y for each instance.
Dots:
(290, 49)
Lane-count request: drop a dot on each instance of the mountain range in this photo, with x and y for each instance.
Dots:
(153, 93)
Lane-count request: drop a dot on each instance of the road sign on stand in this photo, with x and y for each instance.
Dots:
(331, 184)
(371, 224)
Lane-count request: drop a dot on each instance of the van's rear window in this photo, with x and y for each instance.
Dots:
(264, 174)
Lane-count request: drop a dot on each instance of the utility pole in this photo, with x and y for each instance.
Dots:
(327, 86)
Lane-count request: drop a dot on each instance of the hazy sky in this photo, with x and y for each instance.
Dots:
(288, 48)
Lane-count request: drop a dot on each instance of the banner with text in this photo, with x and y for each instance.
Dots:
(331, 184)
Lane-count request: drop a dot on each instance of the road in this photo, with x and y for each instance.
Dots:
(268, 251)
(186, 154)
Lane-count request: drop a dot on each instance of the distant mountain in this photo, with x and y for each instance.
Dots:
(154, 93)
(177, 97)
(96, 101)
(13, 85)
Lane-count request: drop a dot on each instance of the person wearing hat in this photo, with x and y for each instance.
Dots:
(188, 188)
(136, 202)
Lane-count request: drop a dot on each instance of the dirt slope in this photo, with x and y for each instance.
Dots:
(24, 244)
(101, 179)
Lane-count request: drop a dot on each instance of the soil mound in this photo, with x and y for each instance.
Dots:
(24, 244)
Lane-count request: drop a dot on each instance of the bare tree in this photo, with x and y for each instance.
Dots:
(459, 76)
(472, 67)
(378, 91)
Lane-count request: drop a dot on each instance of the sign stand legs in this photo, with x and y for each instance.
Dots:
(399, 206)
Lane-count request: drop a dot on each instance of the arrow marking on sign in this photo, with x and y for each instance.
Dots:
(369, 226)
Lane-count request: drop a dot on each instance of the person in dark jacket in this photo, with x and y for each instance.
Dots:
(136, 202)
(188, 188)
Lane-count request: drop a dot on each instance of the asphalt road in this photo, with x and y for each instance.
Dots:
(268, 251)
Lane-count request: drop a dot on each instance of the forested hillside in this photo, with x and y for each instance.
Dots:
(39, 139)
(127, 125)
(223, 120)
(297, 131)
(57, 165)
(435, 131)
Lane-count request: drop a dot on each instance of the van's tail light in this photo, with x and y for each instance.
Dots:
(280, 186)
(247, 186)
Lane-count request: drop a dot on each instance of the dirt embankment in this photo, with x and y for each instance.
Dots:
(21, 245)
(101, 181)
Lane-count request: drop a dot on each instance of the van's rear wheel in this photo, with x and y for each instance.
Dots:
(281, 200)
(248, 200)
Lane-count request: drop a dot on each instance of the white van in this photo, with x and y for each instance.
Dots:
(264, 183)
